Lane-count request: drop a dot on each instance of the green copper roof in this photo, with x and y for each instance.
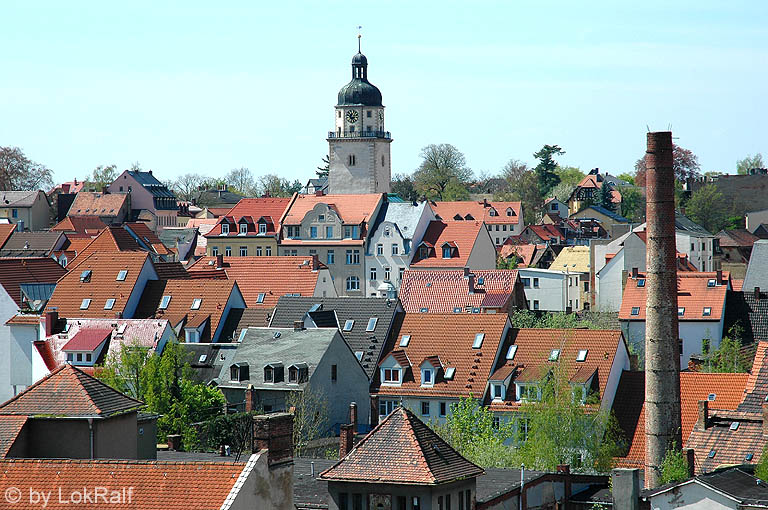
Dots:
(359, 91)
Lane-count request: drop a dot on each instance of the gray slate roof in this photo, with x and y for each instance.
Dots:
(689, 226)
(206, 369)
(405, 215)
(35, 241)
(262, 346)
(17, 198)
(757, 270)
(290, 309)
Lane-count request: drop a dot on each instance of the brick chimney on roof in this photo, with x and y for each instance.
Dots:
(219, 261)
(50, 322)
(702, 420)
(346, 439)
(274, 432)
(353, 416)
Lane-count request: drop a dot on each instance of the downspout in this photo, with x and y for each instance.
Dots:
(90, 434)
(522, 483)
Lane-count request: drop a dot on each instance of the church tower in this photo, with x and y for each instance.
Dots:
(358, 147)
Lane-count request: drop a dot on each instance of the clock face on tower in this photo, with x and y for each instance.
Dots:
(352, 116)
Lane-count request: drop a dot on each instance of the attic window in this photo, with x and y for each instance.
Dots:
(458, 217)
(711, 454)
(242, 334)
(457, 310)
(202, 358)
(711, 282)
(359, 355)
(85, 304)
(165, 302)
(478, 340)
(734, 425)
(371, 324)
(447, 252)
(449, 373)
(641, 282)
(260, 297)
(348, 325)
(423, 310)
(711, 397)
(510, 212)
(243, 228)
(121, 275)
(554, 355)
(707, 311)
(635, 310)
(109, 304)
(582, 356)
(511, 352)
(404, 340)
(262, 228)
(196, 304)
(680, 311)
(481, 281)
(225, 228)
(85, 276)
(492, 212)
(748, 457)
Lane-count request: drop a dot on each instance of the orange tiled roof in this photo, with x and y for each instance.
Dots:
(525, 252)
(463, 234)
(727, 445)
(81, 224)
(534, 347)
(253, 209)
(737, 284)
(10, 426)
(590, 181)
(102, 285)
(6, 230)
(352, 209)
(17, 271)
(98, 204)
(450, 337)
(478, 210)
(402, 450)
(153, 485)
(444, 291)
(145, 234)
(112, 239)
(271, 276)
(693, 294)
(694, 386)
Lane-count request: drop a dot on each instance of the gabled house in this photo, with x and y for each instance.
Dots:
(381, 470)
(731, 488)
(554, 207)
(433, 360)
(462, 291)
(455, 245)
(80, 226)
(250, 228)
(588, 190)
(103, 285)
(502, 219)
(365, 323)
(574, 262)
(614, 223)
(399, 227)
(700, 311)
(70, 414)
(148, 240)
(25, 287)
(526, 255)
(263, 280)
(149, 197)
(28, 210)
(336, 228)
(545, 289)
(271, 363)
(747, 311)
(735, 248)
(34, 244)
(548, 233)
(110, 208)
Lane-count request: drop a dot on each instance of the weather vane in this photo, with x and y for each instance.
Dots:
(359, 35)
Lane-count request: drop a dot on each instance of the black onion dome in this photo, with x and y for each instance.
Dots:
(359, 91)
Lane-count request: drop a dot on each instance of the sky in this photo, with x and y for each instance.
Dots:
(205, 87)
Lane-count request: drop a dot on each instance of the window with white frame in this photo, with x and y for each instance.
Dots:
(348, 324)
(165, 302)
(387, 274)
(386, 407)
(390, 375)
(478, 343)
(529, 392)
(109, 304)
(227, 251)
(196, 304)
(353, 283)
(371, 324)
(262, 228)
(85, 303)
(224, 227)
(373, 273)
(497, 391)
(243, 251)
(427, 376)
(379, 249)
(121, 275)
(395, 249)
(243, 228)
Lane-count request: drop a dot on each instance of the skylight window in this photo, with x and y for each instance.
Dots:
(711, 397)
(511, 352)
(404, 340)
(109, 304)
(457, 310)
(635, 310)
(260, 297)
(202, 358)
(242, 334)
(85, 276)
(711, 282)
(371, 324)
(449, 373)
(554, 355)
(121, 275)
(359, 355)
(196, 304)
(348, 325)
(423, 310)
(478, 340)
(641, 282)
(582, 356)
(481, 281)
(734, 425)
(165, 302)
(748, 457)
(85, 304)
(476, 310)
(711, 454)
(121, 329)
(680, 311)
(707, 311)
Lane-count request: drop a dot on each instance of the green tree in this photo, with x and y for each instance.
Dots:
(629, 178)
(525, 188)
(569, 175)
(310, 416)
(187, 187)
(743, 166)
(455, 191)
(275, 186)
(403, 186)
(761, 470)
(103, 176)
(442, 166)
(19, 173)
(322, 171)
(728, 357)
(674, 466)
(562, 192)
(708, 208)
(605, 198)
(509, 263)
(632, 204)
(546, 174)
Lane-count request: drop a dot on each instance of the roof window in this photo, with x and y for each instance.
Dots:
(481, 281)
(423, 310)
(202, 358)
(348, 325)
(707, 311)
(711, 454)
(371, 324)
(260, 297)
(554, 355)
(85, 304)
(711, 397)
(641, 282)
(449, 373)
(404, 340)
(121, 329)
(680, 311)
(85, 276)
(734, 425)
(711, 282)
(242, 334)
(121, 275)
(476, 310)
(635, 310)
(478, 340)
(511, 352)
(109, 304)
(582, 355)
(457, 310)
(359, 355)
(748, 457)
(165, 302)
(196, 304)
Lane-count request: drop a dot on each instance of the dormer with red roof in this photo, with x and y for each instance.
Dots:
(250, 228)
(502, 219)
(455, 245)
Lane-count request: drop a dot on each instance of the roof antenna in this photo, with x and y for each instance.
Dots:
(359, 35)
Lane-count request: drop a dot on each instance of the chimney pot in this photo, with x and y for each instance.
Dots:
(702, 421)
(346, 439)
(274, 432)
(249, 403)
(50, 322)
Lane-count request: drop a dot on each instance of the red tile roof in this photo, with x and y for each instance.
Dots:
(736, 238)
(17, 271)
(271, 276)
(534, 347)
(70, 392)
(590, 181)
(547, 232)
(449, 336)
(737, 284)
(87, 339)
(86, 225)
(402, 450)
(445, 290)
(524, 252)
(252, 210)
(728, 446)
(693, 294)
(6, 230)
(145, 485)
(10, 426)
(694, 386)
(352, 209)
(463, 234)
(111, 239)
(478, 210)
(98, 204)
(102, 285)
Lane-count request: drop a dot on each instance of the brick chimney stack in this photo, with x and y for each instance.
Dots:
(662, 381)
(219, 261)
(51, 318)
(702, 420)
(346, 439)
(274, 432)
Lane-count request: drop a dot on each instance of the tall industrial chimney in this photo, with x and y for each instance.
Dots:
(662, 356)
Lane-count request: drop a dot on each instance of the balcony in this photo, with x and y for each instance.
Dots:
(360, 134)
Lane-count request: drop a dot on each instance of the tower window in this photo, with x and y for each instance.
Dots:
(382, 160)
(352, 160)
(338, 114)
(368, 114)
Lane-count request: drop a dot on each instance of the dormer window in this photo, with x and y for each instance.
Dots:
(446, 251)
(121, 275)
(273, 373)
(165, 302)
(243, 228)
(239, 372)
(390, 375)
(492, 212)
(262, 228)
(528, 392)
(427, 376)
(497, 391)
(510, 212)
(196, 304)
(423, 252)
(225, 228)
(298, 373)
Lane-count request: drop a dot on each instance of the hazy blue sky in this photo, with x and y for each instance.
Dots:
(198, 87)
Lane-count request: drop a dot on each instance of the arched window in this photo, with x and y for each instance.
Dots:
(353, 283)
